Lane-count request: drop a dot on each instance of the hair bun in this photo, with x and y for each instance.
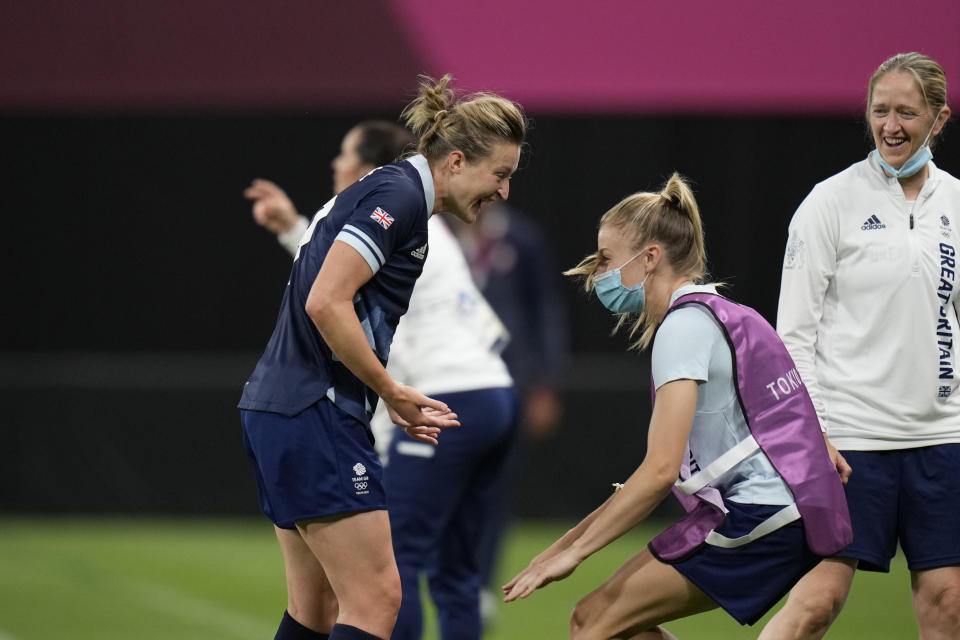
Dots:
(443, 123)
(678, 194)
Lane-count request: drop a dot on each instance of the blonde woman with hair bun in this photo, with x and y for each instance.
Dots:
(733, 433)
(306, 408)
(868, 308)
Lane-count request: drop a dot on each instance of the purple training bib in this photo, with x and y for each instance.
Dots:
(782, 420)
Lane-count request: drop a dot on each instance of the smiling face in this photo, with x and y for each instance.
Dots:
(899, 118)
(471, 184)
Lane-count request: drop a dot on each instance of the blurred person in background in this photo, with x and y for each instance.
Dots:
(306, 409)
(868, 311)
(730, 418)
(442, 500)
(514, 267)
(446, 345)
(366, 146)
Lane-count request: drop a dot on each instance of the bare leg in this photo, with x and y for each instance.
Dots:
(310, 600)
(814, 602)
(643, 593)
(936, 602)
(356, 554)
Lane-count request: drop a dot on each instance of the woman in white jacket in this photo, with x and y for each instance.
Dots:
(868, 312)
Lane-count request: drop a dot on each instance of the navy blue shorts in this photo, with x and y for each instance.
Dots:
(317, 463)
(441, 499)
(905, 495)
(747, 581)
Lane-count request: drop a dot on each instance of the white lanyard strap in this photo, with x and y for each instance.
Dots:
(781, 518)
(731, 458)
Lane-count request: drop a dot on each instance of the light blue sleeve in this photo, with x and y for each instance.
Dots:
(683, 347)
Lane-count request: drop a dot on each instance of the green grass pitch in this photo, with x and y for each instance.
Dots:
(152, 579)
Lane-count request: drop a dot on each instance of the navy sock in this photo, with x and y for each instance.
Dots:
(346, 632)
(290, 629)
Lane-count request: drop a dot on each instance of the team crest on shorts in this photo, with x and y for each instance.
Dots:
(383, 218)
(361, 481)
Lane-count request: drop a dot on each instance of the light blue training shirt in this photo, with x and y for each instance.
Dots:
(691, 345)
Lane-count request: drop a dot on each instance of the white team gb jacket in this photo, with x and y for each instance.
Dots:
(868, 308)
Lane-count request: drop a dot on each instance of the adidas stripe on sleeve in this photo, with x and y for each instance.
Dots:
(364, 244)
(381, 222)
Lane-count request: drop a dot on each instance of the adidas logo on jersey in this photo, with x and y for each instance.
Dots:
(419, 253)
(873, 222)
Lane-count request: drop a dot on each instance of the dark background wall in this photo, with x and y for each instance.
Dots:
(137, 225)
(137, 291)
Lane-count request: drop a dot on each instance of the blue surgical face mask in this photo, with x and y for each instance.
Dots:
(616, 297)
(914, 163)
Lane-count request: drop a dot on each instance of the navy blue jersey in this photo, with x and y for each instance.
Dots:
(384, 217)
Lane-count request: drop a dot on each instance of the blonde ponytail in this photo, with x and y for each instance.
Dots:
(670, 218)
(433, 98)
(473, 124)
(688, 244)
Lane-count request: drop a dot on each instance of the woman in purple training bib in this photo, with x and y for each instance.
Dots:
(731, 419)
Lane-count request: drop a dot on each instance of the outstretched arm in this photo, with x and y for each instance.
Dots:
(274, 210)
(644, 490)
(271, 206)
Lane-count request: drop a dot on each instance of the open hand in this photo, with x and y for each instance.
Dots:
(539, 574)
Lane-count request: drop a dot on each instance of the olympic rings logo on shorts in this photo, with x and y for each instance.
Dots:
(360, 486)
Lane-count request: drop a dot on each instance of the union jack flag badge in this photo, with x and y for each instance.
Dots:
(383, 218)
